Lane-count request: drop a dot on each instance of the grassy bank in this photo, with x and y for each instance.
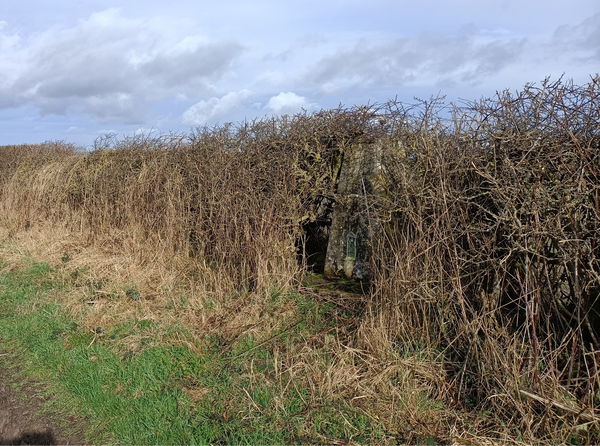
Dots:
(140, 382)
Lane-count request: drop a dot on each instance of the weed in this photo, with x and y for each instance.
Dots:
(132, 293)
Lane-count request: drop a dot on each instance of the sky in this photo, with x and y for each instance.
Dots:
(80, 69)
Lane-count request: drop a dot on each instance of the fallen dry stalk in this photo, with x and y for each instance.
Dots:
(586, 414)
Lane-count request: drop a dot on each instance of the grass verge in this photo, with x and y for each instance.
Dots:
(216, 389)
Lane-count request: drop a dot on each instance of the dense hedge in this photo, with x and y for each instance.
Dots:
(488, 251)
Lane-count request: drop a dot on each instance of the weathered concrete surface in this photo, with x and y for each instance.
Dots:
(349, 246)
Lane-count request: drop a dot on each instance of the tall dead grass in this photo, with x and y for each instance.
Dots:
(229, 211)
(13, 158)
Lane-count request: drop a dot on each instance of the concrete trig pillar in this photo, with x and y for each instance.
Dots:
(349, 246)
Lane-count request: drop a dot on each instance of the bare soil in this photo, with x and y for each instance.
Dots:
(22, 421)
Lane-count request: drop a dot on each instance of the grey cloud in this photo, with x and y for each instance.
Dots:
(122, 107)
(207, 61)
(463, 57)
(495, 56)
(111, 67)
(582, 39)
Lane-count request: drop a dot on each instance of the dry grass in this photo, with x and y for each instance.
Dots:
(486, 260)
(490, 254)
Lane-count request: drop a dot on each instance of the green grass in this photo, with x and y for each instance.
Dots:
(135, 398)
(165, 393)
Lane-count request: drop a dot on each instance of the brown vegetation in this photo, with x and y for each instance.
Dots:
(491, 254)
(486, 267)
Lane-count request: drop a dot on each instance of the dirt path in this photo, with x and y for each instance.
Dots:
(21, 420)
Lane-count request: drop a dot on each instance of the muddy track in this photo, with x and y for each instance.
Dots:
(22, 421)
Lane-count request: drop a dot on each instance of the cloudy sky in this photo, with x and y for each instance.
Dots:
(77, 69)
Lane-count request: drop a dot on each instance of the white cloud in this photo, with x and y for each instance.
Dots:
(141, 65)
(208, 110)
(287, 102)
